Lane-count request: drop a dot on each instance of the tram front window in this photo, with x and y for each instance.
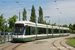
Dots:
(19, 29)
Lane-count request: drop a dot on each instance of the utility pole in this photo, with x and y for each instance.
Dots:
(4, 30)
(36, 28)
(46, 24)
(62, 31)
(59, 25)
(19, 16)
(4, 27)
(49, 21)
(52, 31)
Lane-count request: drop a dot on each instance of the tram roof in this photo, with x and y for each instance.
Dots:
(39, 25)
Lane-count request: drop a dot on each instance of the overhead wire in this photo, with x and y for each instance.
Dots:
(22, 5)
(59, 10)
(6, 2)
(19, 3)
(57, 6)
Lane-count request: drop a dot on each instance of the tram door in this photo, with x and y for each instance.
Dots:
(27, 30)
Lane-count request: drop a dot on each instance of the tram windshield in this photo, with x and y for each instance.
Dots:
(19, 29)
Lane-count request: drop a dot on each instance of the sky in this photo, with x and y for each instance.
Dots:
(60, 11)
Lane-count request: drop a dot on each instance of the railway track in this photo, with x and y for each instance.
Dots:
(64, 45)
(59, 44)
(4, 44)
(55, 45)
(16, 46)
(10, 46)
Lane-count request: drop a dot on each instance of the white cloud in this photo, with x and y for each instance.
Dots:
(10, 12)
(66, 7)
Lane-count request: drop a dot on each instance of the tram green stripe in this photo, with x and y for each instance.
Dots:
(18, 39)
(38, 37)
(29, 39)
(24, 39)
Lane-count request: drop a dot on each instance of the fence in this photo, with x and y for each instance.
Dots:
(5, 38)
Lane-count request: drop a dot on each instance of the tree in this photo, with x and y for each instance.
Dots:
(54, 24)
(1, 19)
(65, 25)
(40, 18)
(60, 26)
(1, 22)
(70, 26)
(33, 15)
(12, 20)
(24, 15)
(73, 26)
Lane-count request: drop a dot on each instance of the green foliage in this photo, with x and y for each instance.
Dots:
(70, 26)
(1, 20)
(12, 20)
(2, 24)
(60, 25)
(47, 23)
(65, 25)
(43, 22)
(24, 15)
(33, 15)
(71, 42)
(54, 24)
(11, 30)
(6, 28)
(40, 18)
(73, 26)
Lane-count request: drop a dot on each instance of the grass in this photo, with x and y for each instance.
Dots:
(71, 42)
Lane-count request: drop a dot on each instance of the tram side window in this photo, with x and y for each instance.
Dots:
(68, 31)
(56, 31)
(49, 31)
(27, 31)
(65, 31)
(33, 30)
(60, 31)
(41, 30)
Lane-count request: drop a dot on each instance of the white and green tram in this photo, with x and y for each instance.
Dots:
(29, 31)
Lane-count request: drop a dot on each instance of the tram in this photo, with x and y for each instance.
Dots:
(29, 31)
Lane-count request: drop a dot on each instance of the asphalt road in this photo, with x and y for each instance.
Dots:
(47, 44)
(43, 44)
